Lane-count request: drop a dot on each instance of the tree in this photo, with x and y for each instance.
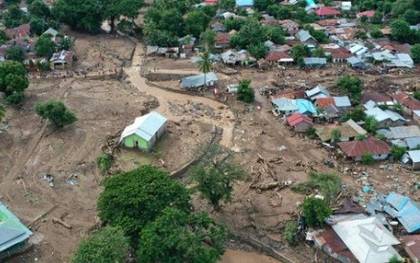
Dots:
(377, 33)
(208, 39)
(415, 53)
(399, 8)
(15, 53)
(371, 124)
(3, 37)
(400, 30)
(395, 259)
(56, 112)
(107, 245)
(262, 5)
(315, 211)
(397, 152)
(234, 23)
(245, 92)
(299, 51)
(2, 112)
(290, 233)
(114, 9)
(14, 17)
(377, 18)
(412, 16)
(133, 199)
(258, 50)
(177, 236)
(196, 22)
(356, 113)
(66, 44)
(39, 9)
(216, 173)
(360, 34)
(350, 84)
(104, 162)
(274, 34)
(367, 158)
(12, 2)
(335, 135)
(227, 4)
(205, 65)
(279, 11)
(13, 81)
(37, 25)
(44, 46)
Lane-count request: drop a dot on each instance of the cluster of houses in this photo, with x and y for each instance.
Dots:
(21, 37)
(355, 236)
(316, 108)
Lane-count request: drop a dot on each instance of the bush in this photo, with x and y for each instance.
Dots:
(104, 162)
(397, 152)
(290, 233)
(367, 159)
(310, 132)
(328, 183)
(245, 92)
(315, 211)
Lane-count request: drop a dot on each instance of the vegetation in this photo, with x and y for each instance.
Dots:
(356, 114)
(13, 81)
(298, 52)
(205, 65)
(133, 199)
(14, 17)
(44, 46)
(290, 233)
(335, 135)
(107, 245)
(328, 184)
(15, 53)
(245, 92)
(56, 112)
(310, 132)
(397, 152)
(2, 112)
(395, 259)
(315, 211)
(371, 124)
(415, 53)
(104, 162)
(216, 173)
(177, 236)
(367, 159)
(350, 85)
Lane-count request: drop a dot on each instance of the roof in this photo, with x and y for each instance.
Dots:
(222, 38)
(401, 132)
(406, 100)
(327, 11)
(339, 53)
(342, 101)
(368, 13)
(312, 93)
(62, 57)
(277, 55)
(12, 231)
(412, 246)
(330, 242)
(405, 210)
(21, 31)
(324, 102)
(369, 146)
(375, 97)
(348, 129)
(315, 61)
(412, 143)
(354, 62)
(284, 104)
(304, 35)
(383, 115)
(198, 80)
(297, 118)
(145, 126)
(244, 2)
(51, 31)
(367, 239)
(305, 106)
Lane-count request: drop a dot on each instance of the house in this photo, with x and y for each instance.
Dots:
(13, 234)
(416, 116)
(218, 27)
(210, 2)
(317, 92)
(377, 98)
(329, 242)
(356, 63)
(355, 150)
(326, 12)
(414, 157)
(402, 132)
(299, 122)
(222, 40)
(305, 107)
(289, 26)
(368, 13)
(234, 57)
(51, 31)
(349, 131)
(412, 246)
(346, 6)
(276, 57)
(305, 38)
(342, 102)
(405, 210)
(21, 31)
(367, 239)
(208, 79)
(385, 118)
(314, 62)
(285, 106)
(412, 143)
(409, 103)
(331, 113)
(359, 50)
(405, 59)
(244, 3)
(324, 102)
(338, 53)
(62, 59)
(144, 132)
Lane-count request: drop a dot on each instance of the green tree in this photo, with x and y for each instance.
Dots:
(356, 113)
(196, 22)
(104, 162)
(290, 233)
(397, 152)
(216, 173)
(13, 81)
(107, 245)
(335, 135)
(415, 53)
(262, 5)
(299, 51)
(205, 65)
(319, 53)
(416, 95)
(134, 199)
(320, 36)
(245, 92)
(227, 4)
(371, 124)
(114, 9)
(279, 11)
(208, 39)
(395, 259)
(351, 85)
(412, 16)
(38, 25)
(56, 112)
(44, 46)
(258, 50)
(315, 211)
(66, 44)
(39, 9)
(15, 53)
(12, 2)
(2, 112)
(400, 7)
(14, 17)
(274, 34)
(360, 34)
(234, 23)
(377, 33)
(177, 236)
(3, 37)
(400, 30)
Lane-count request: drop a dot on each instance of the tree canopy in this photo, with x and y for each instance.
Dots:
(245, 92)
(107, 245)
(133, 199)
(315, 211)
(13, 81)
(177, 236)
(415, 53)
(15, 53)
(351, 85)
(2, 112)
(44, 46)
(56, 112)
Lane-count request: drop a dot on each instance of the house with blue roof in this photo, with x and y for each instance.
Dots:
(144, 132)
(13, 234)
(305, 107)
(405, 210)
(245, 3)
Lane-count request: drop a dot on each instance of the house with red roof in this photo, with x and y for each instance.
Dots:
(355, 150)
(299, 122)
(21, 31)
(368, 13)
(409, 103)
(276, 57)
(289, 25)
(325, 12)
(377, 98)
(222, 40)
(338, 53)
(210, 2)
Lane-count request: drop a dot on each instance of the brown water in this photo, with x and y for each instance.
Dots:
(232, 256)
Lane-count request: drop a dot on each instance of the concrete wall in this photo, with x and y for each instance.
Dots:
(156, 76)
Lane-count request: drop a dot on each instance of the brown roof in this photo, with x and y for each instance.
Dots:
(327, 22)
(292, 42)
(287, 23)
(324, 102)
(339, 53)
(386, 30)
(348, 129)
(332, 243)
(406, 100)
(270, 22)
(404, 48)
(223, 38)
(21, 31)
(349, 207)
(375, 97)
(369, 146)
(412, 246)
(276, 55)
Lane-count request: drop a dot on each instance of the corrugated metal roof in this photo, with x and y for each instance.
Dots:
(297, 118)
(412, 246)
(305, 106)
(315, 61)
(198, 80)
(413, 143)
(244, 2)
(284, 104)
(405, 209)
(145, 126)
(342, 101)
(414, 155)
(369, 146)
(318, 89)
(401, 132)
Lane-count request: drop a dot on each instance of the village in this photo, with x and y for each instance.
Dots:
(332, 95)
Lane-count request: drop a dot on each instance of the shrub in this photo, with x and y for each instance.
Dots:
(397, 152)
(290, 233)
(104, 162)
(367, 159)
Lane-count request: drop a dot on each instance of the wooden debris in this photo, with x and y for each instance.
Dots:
(61, 222)
(268, 186)
(41, 216)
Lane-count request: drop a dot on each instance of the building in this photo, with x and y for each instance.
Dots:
(338, 53)
(405, 210)
(349, 131)
(317, 92)
(245, 3)
(409, 103)
(305, 38)
(326, 12)
(222, 40)
(305, 107)
(346, 6)
(412, 246)
(342, 102)
(192, 82)
(299, 122)
(314, 62)
(276, 57)
(385, 118)
(402, 132)
(368, 14)
(355, 150)
(416, 116)
(356, 63)
(285, 106)
(51, 31)
(377, 98)
(22, 31)
(13, 234)
(329, 242)
(62, 59)
(144, 132)
(413, 157)
(289, 25)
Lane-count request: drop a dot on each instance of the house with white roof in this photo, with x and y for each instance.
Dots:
(144, 132)
(386, 118)
(317, 92)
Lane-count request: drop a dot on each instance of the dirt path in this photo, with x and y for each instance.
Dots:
(166, 97)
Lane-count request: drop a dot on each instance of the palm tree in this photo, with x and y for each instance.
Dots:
(204, 65)
(2, 112)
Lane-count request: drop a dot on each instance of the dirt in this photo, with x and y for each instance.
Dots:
(232, 256)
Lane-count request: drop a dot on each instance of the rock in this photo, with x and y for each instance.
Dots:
(282, 148)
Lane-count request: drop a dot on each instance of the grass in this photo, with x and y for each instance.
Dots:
(328, 184)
